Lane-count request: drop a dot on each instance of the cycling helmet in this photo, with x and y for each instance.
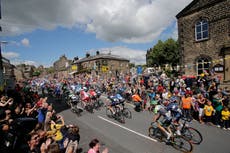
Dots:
(84, 88)
(173, 99)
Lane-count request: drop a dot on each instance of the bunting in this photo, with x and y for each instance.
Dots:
(189, 66)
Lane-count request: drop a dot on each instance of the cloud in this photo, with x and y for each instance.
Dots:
(130, 21)
(25, 42)
(135, 56)
(15, 59)
(27, 62)
(10, 55)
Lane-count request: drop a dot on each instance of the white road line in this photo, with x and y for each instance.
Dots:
(137, 133)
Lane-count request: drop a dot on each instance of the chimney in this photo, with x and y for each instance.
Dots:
(87, 55)
(76, 58)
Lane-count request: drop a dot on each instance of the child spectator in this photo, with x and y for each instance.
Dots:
(225, 115)
(208, 112)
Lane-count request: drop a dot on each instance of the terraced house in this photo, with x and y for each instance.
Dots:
(102, 64)
(204, 37)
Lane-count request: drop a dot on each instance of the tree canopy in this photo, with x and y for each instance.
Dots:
(162, 53)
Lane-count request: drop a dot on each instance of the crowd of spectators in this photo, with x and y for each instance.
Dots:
(29, 124)
(201, 98)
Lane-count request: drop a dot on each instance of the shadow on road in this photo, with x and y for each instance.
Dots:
(58, 104)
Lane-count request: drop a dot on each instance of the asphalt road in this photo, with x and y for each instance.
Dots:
(132, 137)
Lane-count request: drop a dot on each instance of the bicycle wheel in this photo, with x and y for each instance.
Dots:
(90, 108)
(109, 113)
(182, 144)
(76, 110)
(96, 105)
(82, 104)
(193, 135)
(151, 132)
(154, 132)
(120, 117)
(127, 113)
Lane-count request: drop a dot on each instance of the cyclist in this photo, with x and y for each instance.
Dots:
(163, 119)
(175, 110)
(114, 102)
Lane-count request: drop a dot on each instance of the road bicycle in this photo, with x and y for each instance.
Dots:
(116, 113)
(178, 142)
(125, 111)
(190, 133)
(98, 104)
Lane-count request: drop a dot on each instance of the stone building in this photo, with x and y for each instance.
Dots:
(23, 71)
(204, 37)
(61, 67)
(101, 64)
(61, 64)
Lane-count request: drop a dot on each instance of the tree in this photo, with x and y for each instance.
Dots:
(131, 65)
(36, 73)
(164, 53)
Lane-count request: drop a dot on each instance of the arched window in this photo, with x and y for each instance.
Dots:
(201, 30)
(203, 65)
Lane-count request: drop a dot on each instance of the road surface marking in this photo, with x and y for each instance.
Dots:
(137, 133)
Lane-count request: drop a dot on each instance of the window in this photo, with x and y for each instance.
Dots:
(4, 70)
(201, 30)
(203, 65)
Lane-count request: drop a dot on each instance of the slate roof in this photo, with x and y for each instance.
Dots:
(197, 5)
(101, 56)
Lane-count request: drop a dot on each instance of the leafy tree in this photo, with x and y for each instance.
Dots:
(131, 65)
(166, 52)
(50, 70)
(36, 73)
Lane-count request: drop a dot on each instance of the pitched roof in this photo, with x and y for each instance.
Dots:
(197, 5)
(101, 56)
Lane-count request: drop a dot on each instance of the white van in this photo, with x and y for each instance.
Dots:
(149, 70)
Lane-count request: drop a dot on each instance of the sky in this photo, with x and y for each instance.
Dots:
(39, 32)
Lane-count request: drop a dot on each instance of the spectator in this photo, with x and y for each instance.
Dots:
(186, 105)
(208, 112)
(225, 118)
(138, 102)
(55, 131)
(218, 105)
(201, 102)
(95, 147)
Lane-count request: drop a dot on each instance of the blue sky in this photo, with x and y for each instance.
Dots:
(38, 32)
